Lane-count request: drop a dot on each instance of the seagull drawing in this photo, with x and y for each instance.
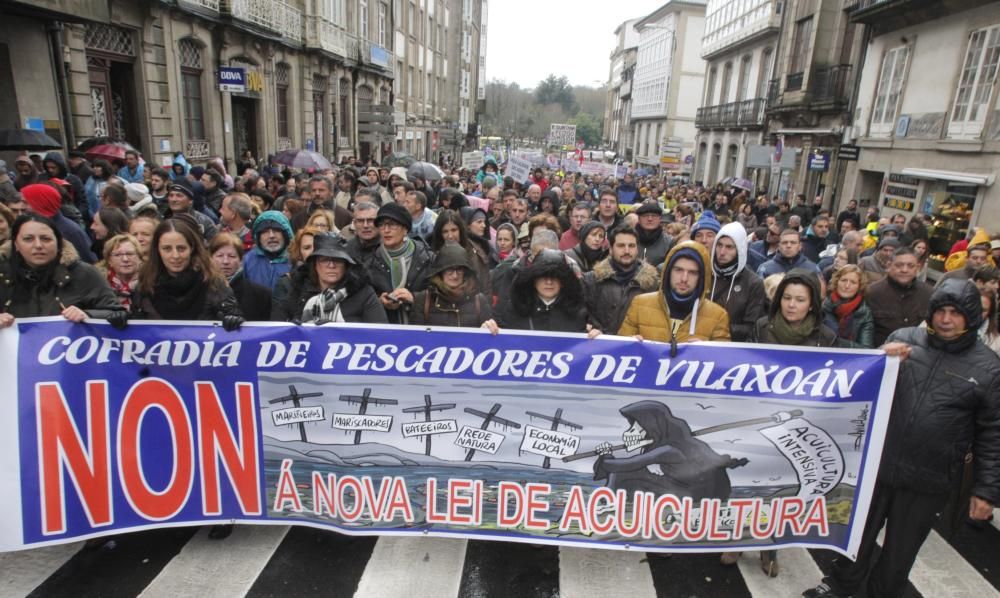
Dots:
(704, 407)
(734, 440)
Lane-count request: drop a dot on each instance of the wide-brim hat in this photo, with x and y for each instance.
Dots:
(331, 246)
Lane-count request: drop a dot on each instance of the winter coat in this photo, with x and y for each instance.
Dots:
(360, 306)
(779, 264)
(812, 245)
(130, 177)
(206, 227)
(380, 276)
(655, 252)
(525, 311)
(944, 403)
(74, 235)
(894, 307)
(219, 301)
(861, 331)
(608, 300)
(649, 315)
(741, 293)
(432, 308)
(254, 300)
(75, 284)
(77, 191)
(821, 336)
(258, 266)
(179, 160)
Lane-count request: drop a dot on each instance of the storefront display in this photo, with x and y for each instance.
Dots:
(950, 207)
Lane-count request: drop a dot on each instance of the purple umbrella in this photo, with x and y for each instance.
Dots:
(744, 184)
(303, 159)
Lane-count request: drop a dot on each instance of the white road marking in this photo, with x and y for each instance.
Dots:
(25, 570)
(588, 572)
(797, 571)
(218, 568)
(407, 567)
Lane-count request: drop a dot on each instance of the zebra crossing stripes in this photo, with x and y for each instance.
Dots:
(941, 571)
(206, 570)
(621, 573)
(23, 571)
(996, 518)
(797, 571)
(406, 567)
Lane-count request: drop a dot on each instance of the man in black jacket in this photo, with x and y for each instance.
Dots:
(610, 286)
(947, 400)
(654, 244)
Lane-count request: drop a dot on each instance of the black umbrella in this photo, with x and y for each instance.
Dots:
(26, 139)
(398, 159)
(424, 170)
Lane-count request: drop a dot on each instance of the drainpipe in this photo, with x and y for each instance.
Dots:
(55, 29)
(851, 107)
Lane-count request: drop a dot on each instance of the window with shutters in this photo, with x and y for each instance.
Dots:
(363, 19)
(191, 71)
(975, 85)
(888, 92)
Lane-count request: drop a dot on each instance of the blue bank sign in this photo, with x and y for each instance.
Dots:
(232, 78)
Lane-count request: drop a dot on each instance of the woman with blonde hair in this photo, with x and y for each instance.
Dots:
(121, 264)
(845, 311)
(323, 220)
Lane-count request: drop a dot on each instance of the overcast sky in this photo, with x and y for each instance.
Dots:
(528, 39)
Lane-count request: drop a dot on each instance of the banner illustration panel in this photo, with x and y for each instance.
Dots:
(390, 430)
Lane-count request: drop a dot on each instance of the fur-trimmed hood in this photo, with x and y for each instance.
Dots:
(67, 257)
(647, 278)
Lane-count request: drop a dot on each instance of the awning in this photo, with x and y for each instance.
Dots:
(969, 178)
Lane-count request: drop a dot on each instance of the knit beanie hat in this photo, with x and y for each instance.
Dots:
(43, 199)
(706, 222)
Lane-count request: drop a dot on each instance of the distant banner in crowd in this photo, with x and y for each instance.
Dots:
(518, 169)
(472, 160)
(560, 134)
(379, 430)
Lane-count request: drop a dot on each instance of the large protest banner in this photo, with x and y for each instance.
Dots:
(387, 430)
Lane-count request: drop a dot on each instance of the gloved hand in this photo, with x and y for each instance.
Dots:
(118, 320)
(231, 322)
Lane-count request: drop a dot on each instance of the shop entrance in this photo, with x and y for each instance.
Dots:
(245, 126)
(114, 103)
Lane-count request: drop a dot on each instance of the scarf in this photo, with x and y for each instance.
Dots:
(324, 307)
(648, 237)
(123, 290)
(591, 256)
(792, 334)
(680, 305)
(624, 276)
(725, 270)
(398, 261)
(844, 310)
(179, 297)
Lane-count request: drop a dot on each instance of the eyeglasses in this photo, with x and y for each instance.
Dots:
(326, 260)
(122, 255)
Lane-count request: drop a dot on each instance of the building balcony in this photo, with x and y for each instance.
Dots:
(827, 89)
(888, 15)
(327, 35)
(277, 17)
(745, 114)
(209, 5)
(762, 23)
(376, 55)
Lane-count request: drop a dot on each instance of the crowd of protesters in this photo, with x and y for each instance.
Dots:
(655, 258)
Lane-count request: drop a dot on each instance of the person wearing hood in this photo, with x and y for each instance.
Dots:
(592, 247)
(453, 296)
(41, 275)
(44, 199)
(549, 203)
(612, 284)
(134, 169)
(537, 177)
(627, 191)
(218, 165)
(796, 314)
(79, 166)
(27, 172)
(654, 244)
(139, 199)
(330, 287)
(489, 167)
(947, 399)
(976, 256)
(680, 310)
(734, 286)
(375, 184)
(478, 229)
(545, 296)
(789, 257)
(55, 168)
(180, 167)
(268, 260)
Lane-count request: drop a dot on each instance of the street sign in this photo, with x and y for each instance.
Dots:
(849, 153)
(819, 162)
(232, 79)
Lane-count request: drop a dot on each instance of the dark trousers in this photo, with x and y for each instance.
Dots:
(908, 517)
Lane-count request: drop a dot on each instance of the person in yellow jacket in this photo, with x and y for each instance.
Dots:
(957, 260)
(680, 310)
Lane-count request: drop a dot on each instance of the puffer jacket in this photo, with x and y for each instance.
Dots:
(740, 293)
(360, 306)
(525, 311)
(944, 403)
(75, 283)
(649, 315)
(77, 191)
(380, 275)
(607, 299)
(779, 264)
(433, 308)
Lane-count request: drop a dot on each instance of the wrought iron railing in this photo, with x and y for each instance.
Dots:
(256, 12)
(748, 113)
(326, 35)
(830, 84)
(196, 149)
(289, 21)
(212, 5)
